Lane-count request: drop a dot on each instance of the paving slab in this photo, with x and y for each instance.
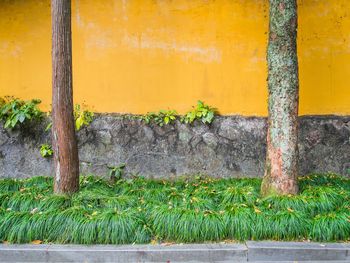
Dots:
(258, 252)
(308, 261)
(125, 253)
(297, 251)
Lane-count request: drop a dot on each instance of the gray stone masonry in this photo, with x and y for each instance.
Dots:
(232, 146)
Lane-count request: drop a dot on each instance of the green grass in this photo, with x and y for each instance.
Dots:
(197, 209)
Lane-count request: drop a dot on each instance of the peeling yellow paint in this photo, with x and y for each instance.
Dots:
(144, 55)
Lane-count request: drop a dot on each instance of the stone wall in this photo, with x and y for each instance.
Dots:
(230, 146)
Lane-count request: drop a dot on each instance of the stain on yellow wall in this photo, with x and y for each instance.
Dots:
(145, 55)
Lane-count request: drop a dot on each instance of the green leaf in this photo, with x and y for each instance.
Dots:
(79, 122)
(7, 123)
(48, 127)
(6, 109)
(210, 117)
(14, 121)
(46, 150)
(166, 120)
(21, 118)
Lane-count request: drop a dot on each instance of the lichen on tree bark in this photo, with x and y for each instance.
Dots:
(283, 84)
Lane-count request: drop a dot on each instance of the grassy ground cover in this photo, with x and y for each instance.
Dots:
(197, 210)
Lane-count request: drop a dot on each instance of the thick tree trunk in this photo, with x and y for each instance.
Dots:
(64, 142)
(282, 150)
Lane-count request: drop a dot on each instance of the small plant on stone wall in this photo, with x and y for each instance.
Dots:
(15, 112)
(202, 112)
(116, 172)
(46, 150)
(48, 127)
(160, 118)
(82, 116)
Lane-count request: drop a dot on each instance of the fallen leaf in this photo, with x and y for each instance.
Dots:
(257, 210)
(154, 242)
(168, 243)
(34, 210)
(37, 242)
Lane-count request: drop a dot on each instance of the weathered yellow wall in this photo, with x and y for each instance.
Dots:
(145, 55)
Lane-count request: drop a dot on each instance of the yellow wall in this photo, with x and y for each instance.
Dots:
(145, 55)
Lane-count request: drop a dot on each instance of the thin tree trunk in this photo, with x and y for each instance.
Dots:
(64, 142)
(283, 82)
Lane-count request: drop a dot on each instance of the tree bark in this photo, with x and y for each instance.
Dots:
(66, 162)
(281, 168)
